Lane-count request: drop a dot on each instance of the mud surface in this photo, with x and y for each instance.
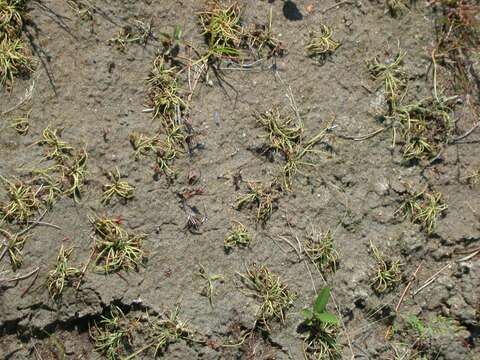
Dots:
(97, 94)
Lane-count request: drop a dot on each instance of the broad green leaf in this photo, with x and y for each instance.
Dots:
(327, 317)
(307, 313)
(322, 300)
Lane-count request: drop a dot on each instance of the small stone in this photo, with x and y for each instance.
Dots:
(69, 346)
(397, 186)
(381, 186)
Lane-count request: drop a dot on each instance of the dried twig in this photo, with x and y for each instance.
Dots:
(336, 5)
(26, 97)
(4, 244)
(21, 277)
(467, 133)
(27, 289)
(471, 254)
(407, 288)
(32, 224)
(43, 223)
(362, 137)
(432, 278)
(82, 274)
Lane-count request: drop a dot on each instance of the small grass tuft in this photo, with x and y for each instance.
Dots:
(59, 150)
(13, 60)
(21, 125)
(119, 188)
(263, 197)
(322, 328)
(285, 136)
(70, 165)
(472, 178)
(11, 18)
(75, 173)
(260, 37)
(84, 9)
(274, 294)
(158, 333)
(143, 145)
(391, 75)
(320, 249)
(424, 127)
(166, 331)
(163, 90)
(15, 247)
(174, 134)
(165, 149)
(116, 248)
(388, 272)
(420, 333)
(139, 33)
(111, 334)
(320, 44)
(22, 204)
(165, 156)
(423, 207)
(61, 274)
(238, 236)
(208, 290)
(324, 345)
(222, 29)
(51, 187)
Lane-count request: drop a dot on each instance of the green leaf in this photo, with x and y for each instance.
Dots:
(322, 300)
(307, 313)
(177, 34)
(227, 51)
(327, 317)
(165, 35)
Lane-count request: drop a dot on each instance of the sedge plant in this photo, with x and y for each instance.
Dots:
(423, 207)
(111, 333)
(222, 30)
(260, 196)
(387, 272)
(119, 188)
(13, 60)
(320, 249)
(391, 75)
(322, 329)
(320, 43)
(23, 201)
(116, 248)
(237, 237)
(61, 274)
(275, 296)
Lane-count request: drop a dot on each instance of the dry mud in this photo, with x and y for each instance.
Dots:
(97, 95)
